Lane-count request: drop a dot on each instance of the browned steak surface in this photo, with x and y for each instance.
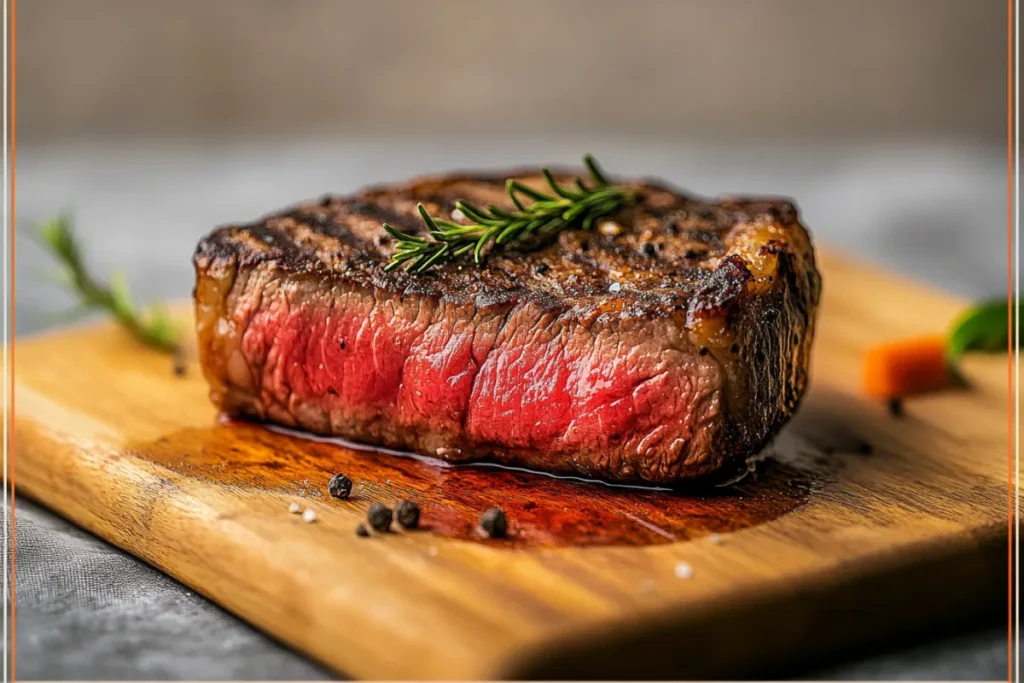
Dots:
(667, 343)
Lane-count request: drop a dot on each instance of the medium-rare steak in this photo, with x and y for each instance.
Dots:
(670, 341)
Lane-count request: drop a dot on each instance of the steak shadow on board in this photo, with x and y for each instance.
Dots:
(671, 342)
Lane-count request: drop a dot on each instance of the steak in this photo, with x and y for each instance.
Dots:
(669, 342)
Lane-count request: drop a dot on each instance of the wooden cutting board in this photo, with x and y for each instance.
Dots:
(857, 528)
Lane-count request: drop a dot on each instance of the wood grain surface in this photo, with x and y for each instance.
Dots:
(857, 527)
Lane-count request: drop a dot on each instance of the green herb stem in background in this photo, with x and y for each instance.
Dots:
(984, 327)
(535, 213)
(152, 326)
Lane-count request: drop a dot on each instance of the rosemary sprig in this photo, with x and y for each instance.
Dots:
(152, 326)
(536, 213)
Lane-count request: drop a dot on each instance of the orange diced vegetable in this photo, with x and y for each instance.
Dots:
(904, 367)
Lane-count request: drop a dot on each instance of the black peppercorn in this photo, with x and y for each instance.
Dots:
(339, 486)
(361, 530)
(541, 268)
(180, 369)
(379, 517)
(734, 348)
(408, 514)
(703, 351)
(896, 407)
(650, 249)
(493, 523)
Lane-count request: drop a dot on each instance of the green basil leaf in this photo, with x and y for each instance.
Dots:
(982, 328)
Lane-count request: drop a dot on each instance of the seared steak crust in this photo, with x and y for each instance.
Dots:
(669, 342)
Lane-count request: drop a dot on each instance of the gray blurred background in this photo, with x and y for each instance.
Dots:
(671, 67)
(155, 121)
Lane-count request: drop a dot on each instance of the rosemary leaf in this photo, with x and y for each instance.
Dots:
(152, 326)
(536, 212)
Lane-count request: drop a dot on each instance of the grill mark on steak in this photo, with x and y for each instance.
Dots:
(691, 363)
(383, 214)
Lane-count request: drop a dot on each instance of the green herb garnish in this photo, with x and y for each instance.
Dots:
(152, 326)
(984, 327)
(536, 213)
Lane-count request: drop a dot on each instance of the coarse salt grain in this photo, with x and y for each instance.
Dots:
(294, 508)
(684, 571)
(615, 287)
(457, 215)
(432, 551)
(716, 539)
(309, 515)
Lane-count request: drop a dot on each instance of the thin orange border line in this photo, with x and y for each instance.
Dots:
(1009, 341)
(11, 456)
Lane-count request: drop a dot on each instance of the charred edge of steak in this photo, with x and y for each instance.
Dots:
(772, 357)
(343, 238)
(733, 283)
